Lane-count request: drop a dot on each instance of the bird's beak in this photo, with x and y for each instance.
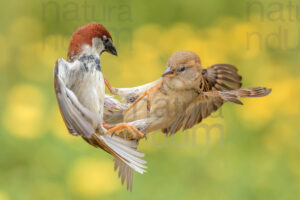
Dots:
(110, 48)
(168, 73)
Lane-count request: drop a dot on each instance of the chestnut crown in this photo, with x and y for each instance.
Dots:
(84, 35)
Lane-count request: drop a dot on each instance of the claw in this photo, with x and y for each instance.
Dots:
(121, 127)
(118, 131)
(146, 93)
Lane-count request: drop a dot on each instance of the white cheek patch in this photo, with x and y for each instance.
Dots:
(98, 45)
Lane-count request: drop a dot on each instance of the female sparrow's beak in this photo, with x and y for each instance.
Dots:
(168, 73)
(110, 48)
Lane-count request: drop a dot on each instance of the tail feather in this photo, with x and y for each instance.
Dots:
(129, 159)
(126, 153)
(125, 173)
(233, 95)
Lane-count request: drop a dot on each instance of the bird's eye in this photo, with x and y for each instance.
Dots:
(181, 69)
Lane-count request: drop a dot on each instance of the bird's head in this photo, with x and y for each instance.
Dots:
(183, 71)
(92, 37)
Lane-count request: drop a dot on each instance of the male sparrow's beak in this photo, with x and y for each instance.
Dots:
(168, 73)
(110, 48)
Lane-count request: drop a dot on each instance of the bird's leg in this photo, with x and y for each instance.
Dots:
(116, 130)
(109, 87)
(146, 93)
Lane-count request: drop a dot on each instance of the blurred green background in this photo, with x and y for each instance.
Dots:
(245, 152)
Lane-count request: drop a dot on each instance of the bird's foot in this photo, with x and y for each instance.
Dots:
(146, 93)
(116, 130)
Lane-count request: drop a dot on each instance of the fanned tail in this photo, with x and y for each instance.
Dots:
(233, 95)
(125, 173)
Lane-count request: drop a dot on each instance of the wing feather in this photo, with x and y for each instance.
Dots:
(82, 122)
(113, 110)
(217, 77)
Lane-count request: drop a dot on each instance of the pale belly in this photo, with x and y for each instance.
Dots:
(90, 92)
(164, 108)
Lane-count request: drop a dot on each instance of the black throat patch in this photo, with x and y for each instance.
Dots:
(90, 59)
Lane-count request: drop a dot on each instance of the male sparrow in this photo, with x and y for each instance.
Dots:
(80, 91)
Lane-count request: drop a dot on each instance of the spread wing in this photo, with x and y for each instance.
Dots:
(221, 77)
(76, 117)
(82, 122)
(218, 77)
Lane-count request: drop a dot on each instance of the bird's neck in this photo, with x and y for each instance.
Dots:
(90, 50)
(86, 50)
(90, 61)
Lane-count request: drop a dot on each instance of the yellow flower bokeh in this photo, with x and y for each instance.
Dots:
(57, 125)
(3, 196)
(90, 178)
(268, 146)
(283, 101)
(36, 60)
(24, 112)
(25, 30)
